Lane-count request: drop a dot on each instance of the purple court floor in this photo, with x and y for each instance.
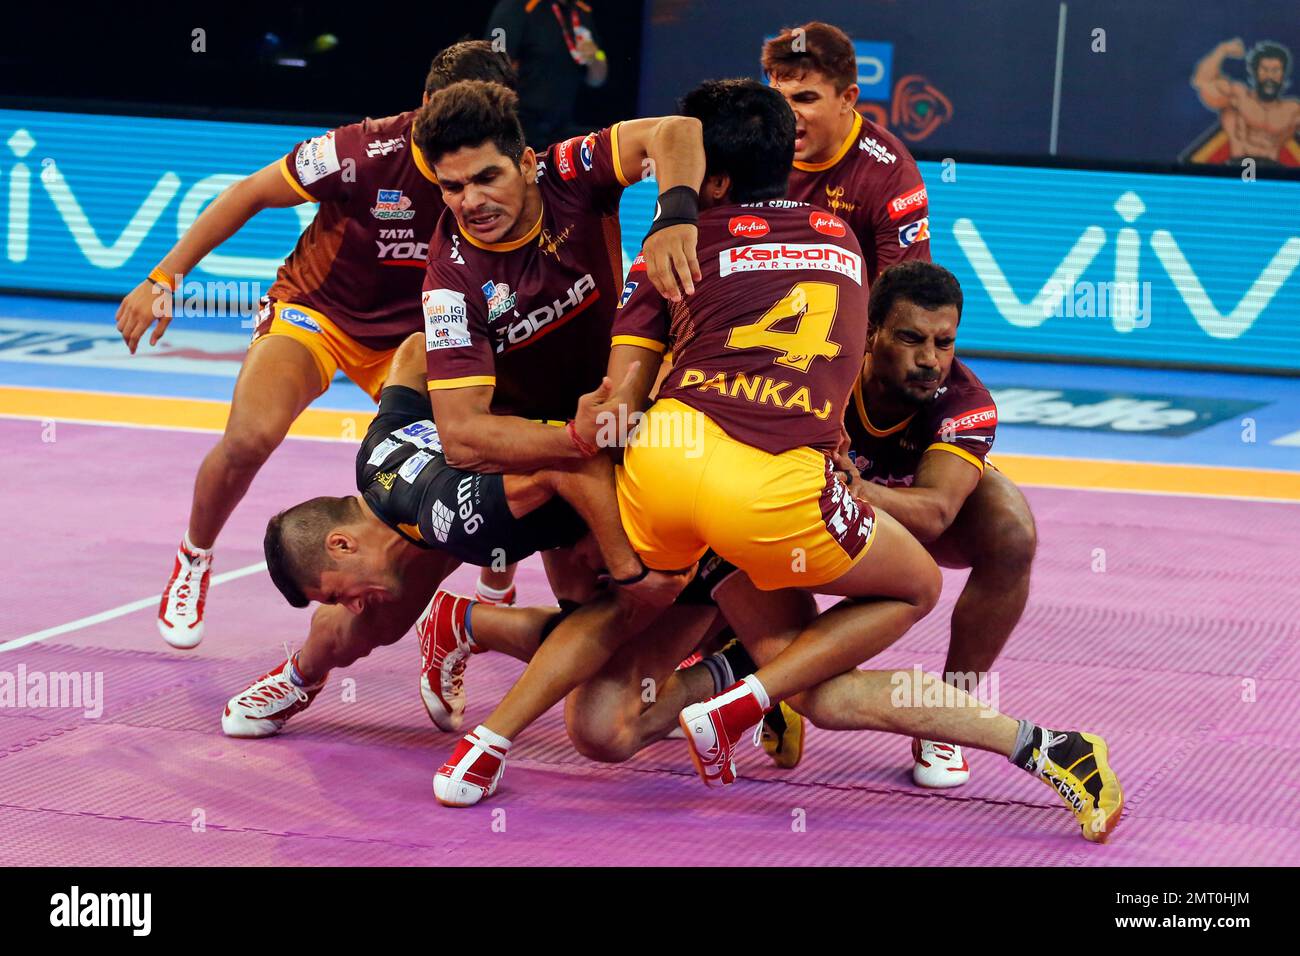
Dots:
(1184, 652)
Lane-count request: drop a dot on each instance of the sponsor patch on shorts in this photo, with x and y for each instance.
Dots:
(424, 434)
(441, 518)
(412, 467)
(300, 318)
(383, 450)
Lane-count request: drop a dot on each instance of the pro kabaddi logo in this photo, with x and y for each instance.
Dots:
(770, 256)
(391, 204)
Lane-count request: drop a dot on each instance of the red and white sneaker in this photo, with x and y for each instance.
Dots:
(444, 650)
(938, 765)
(263, 707)
(715, 727)
(180, 615)
(472, 773)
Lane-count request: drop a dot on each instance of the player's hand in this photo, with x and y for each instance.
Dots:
(1234, 48)
(670, 260)
(599, 409)
(656, 591)
(847, 472)
(144, 305)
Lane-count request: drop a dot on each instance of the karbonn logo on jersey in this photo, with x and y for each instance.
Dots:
(750, 227)
(790, 255)
(900, 206)
(827, 224)
(540, 321)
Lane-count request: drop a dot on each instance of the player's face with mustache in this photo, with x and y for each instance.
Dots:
(912, 352)
(485, 190)
(1269, 76)
(818, 112)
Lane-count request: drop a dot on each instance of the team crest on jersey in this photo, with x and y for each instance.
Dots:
(835, 201)
(914, 232)
(500, 299)
(550, 242)
(391, 204)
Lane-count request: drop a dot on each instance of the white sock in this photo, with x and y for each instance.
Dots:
(493, 740)
(191, 547)
(759, 691)
(490, 593)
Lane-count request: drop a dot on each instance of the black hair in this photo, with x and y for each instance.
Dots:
(748, 135)
(1267, 50)
(928, 285)
(469, 60)
(470, 113)
(295, 543)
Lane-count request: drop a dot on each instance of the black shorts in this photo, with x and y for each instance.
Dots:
(713, 570)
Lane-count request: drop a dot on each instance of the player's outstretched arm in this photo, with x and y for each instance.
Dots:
(151, 301)
(475, 439)
(1215, 89)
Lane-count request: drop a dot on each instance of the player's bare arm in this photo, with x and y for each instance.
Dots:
(930, 505)
(674, 145)
(150, 301)
(475, 439)
(1216, 90)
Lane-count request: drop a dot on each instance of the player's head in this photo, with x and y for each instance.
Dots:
(1268, 66)
(325, 550)
(748, 140)
(912, 317)
(470, 133)
(469, 60)
(816, 69)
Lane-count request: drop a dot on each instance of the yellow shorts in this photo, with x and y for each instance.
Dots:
(785, 519)
(332, 349)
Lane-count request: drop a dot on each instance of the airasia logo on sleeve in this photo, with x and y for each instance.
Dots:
(748, 227)
(827, 224)
(900, 206)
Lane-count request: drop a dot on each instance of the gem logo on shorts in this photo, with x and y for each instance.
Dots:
(748, 227)
(391, 204)
(301, 319)
(914, 232)
(441, 518)
(827, 224)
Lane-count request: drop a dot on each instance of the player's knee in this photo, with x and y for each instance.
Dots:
(1012, 546)
(927, 584)
(249, 446)
(601, 740)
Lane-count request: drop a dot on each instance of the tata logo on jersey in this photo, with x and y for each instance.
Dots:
(391, 204)
(771, 256)
(404, 250)
(549, 317)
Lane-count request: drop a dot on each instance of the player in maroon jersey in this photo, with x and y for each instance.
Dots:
(345, 298)
(843, 161)
(920, 427)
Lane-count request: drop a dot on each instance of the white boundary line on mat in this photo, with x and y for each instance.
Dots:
(119, 611)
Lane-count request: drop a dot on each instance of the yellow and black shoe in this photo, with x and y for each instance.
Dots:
(783, 736)
(1074, 764)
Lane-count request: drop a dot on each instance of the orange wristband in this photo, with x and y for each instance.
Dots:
(158, 277)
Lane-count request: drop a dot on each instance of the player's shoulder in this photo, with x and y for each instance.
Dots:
(876, 146)
(447, 263)
(965, 394)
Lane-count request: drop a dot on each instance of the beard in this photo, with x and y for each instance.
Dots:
(908, 396)
(1268, 90)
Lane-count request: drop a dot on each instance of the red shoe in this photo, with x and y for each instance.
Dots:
(715, 727)
(263, 707)
(444, 650)
(180, 615)
(472, 773)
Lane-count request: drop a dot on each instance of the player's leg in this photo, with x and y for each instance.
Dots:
(279, 378)
(337, 638)
(496, 586)
(994, 536)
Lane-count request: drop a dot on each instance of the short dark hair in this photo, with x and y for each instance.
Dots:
(928, 285)
(814, 46)
(295, 543)
(748, 134)
(469, 60)
(470, 113)
(1267, 50)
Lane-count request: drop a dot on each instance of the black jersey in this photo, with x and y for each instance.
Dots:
(405, 479)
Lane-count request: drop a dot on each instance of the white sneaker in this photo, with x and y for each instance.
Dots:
(938, 765)
(263, 707)
(444, 650)
(180, 615)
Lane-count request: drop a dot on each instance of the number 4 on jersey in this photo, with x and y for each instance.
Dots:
(812, 305)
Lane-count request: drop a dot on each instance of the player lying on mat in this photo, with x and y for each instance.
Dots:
(763, 491)
(344, 299)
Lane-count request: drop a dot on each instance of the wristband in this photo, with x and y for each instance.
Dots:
(679, 206)
(634, 579)
(158, 277)
(588, 451)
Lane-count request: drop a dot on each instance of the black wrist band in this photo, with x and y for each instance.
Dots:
(634, 579)
(679, 206)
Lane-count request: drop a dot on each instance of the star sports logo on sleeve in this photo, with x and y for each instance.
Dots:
(914, 232)
(316, 159)
(770, 256)
(909, 202)
(446, 321)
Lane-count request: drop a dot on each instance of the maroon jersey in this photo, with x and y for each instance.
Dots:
(532, 317)
(773, 338)
(960, 419)
(873, 183)
(361, 261)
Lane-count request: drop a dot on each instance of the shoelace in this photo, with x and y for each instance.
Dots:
(301, 694)
(190, 565)
(1040, 762)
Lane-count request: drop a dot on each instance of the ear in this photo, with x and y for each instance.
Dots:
(528, 165)
(850, 95)
(339, 543)
(716, 187)
(425, 100)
